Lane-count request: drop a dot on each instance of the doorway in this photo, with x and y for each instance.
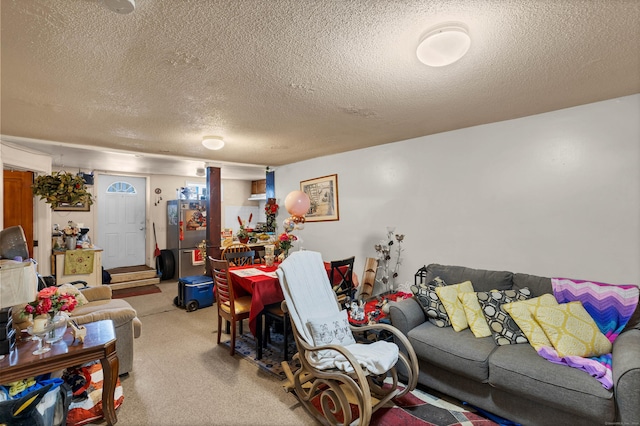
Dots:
(18, 203)
(122, 216)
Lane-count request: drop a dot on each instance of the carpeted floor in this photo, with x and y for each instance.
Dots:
(135, 291)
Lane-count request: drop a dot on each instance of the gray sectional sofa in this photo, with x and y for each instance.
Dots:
(513, 381)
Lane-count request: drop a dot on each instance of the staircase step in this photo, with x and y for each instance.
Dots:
(119, 277)
(134, 283)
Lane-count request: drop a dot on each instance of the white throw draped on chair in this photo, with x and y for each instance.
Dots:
(309, 295)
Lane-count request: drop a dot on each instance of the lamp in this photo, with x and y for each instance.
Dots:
(213, 142)
(444, 44)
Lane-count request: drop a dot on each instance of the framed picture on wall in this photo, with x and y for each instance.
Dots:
(323, 194)
(67, 207)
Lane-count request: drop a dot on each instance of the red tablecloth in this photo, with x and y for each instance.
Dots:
(264, 290)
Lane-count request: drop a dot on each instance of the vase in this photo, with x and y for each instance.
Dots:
(59, 322)
(243, 240)
(71, 243)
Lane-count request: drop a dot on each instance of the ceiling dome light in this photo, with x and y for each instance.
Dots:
(213, 142)
(443, 45)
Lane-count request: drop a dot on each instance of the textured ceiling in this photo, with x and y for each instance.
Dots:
(287, 80)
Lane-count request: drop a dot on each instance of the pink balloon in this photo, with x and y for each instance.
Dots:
(297, 203)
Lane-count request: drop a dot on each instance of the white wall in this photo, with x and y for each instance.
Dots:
(556, 194)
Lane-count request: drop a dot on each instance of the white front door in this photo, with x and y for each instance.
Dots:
(122, 220)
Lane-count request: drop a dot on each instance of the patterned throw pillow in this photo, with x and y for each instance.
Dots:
(523, 312)
(331, 330)
(449, 297)
(504, 329)
(571, 330)
(475, 317)
(426, 296)
(73, 290)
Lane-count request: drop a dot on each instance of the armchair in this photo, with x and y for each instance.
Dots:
(333, 366)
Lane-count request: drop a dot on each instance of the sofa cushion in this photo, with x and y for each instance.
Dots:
(522, 313)
(483, 280)
(571, 330)
(430, 303)
(504, 329)
(536, 285)
(459, 352)
(449, 297)
(519, 370)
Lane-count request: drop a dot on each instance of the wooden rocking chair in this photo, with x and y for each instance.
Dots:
(337, 373)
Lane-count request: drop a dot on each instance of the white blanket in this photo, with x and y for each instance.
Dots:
(308, 294)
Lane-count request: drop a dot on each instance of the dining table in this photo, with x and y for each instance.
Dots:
(259, 281)
(262, 284)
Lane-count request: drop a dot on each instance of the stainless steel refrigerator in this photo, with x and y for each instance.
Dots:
(186, 228)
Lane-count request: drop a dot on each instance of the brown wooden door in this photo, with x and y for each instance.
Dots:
(18, 203)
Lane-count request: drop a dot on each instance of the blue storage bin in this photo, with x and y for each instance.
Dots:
(194, 292)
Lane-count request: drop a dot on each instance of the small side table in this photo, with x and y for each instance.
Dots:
(99, 343)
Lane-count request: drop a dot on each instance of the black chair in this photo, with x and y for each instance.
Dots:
(269, 314)
(341, 278)
(240, 258)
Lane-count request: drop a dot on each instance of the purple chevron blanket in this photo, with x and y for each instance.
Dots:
(610, 306)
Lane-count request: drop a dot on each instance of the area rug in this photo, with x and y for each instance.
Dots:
(417, 408)
(272, 356)
(135, 291)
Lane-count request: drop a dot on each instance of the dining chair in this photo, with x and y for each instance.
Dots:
(341, 278)
(275, 313)
(230, 308)
(240, 258)
(235, 248)
(368, 278)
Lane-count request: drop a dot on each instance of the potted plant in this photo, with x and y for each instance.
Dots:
(243, 235)
(61, 188)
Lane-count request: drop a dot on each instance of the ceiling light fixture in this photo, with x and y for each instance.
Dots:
(120, 6)
(444, 44)
(212, 142)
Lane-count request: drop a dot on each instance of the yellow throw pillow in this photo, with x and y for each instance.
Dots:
(448, 295)
(475, 316)
(520, 313)
(571, 330)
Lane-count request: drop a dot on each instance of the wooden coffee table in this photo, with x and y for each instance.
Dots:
(100, 343)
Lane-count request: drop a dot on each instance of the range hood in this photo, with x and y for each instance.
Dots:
(258, 197)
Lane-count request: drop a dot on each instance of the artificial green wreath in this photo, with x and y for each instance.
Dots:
(61, 188)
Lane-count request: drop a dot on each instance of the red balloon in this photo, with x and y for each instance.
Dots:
(297, 203)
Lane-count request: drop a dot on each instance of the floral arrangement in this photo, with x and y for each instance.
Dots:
(242, 233)
(271, 207)
(50, 301)
(383, 250)
(61, 188)
(285, 241)
(71, 229)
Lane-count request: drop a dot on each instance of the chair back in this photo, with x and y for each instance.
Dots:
(341, 276)
(307, 292)
(234, 248)
(222, 282)
(240, 258)
(368, 278)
